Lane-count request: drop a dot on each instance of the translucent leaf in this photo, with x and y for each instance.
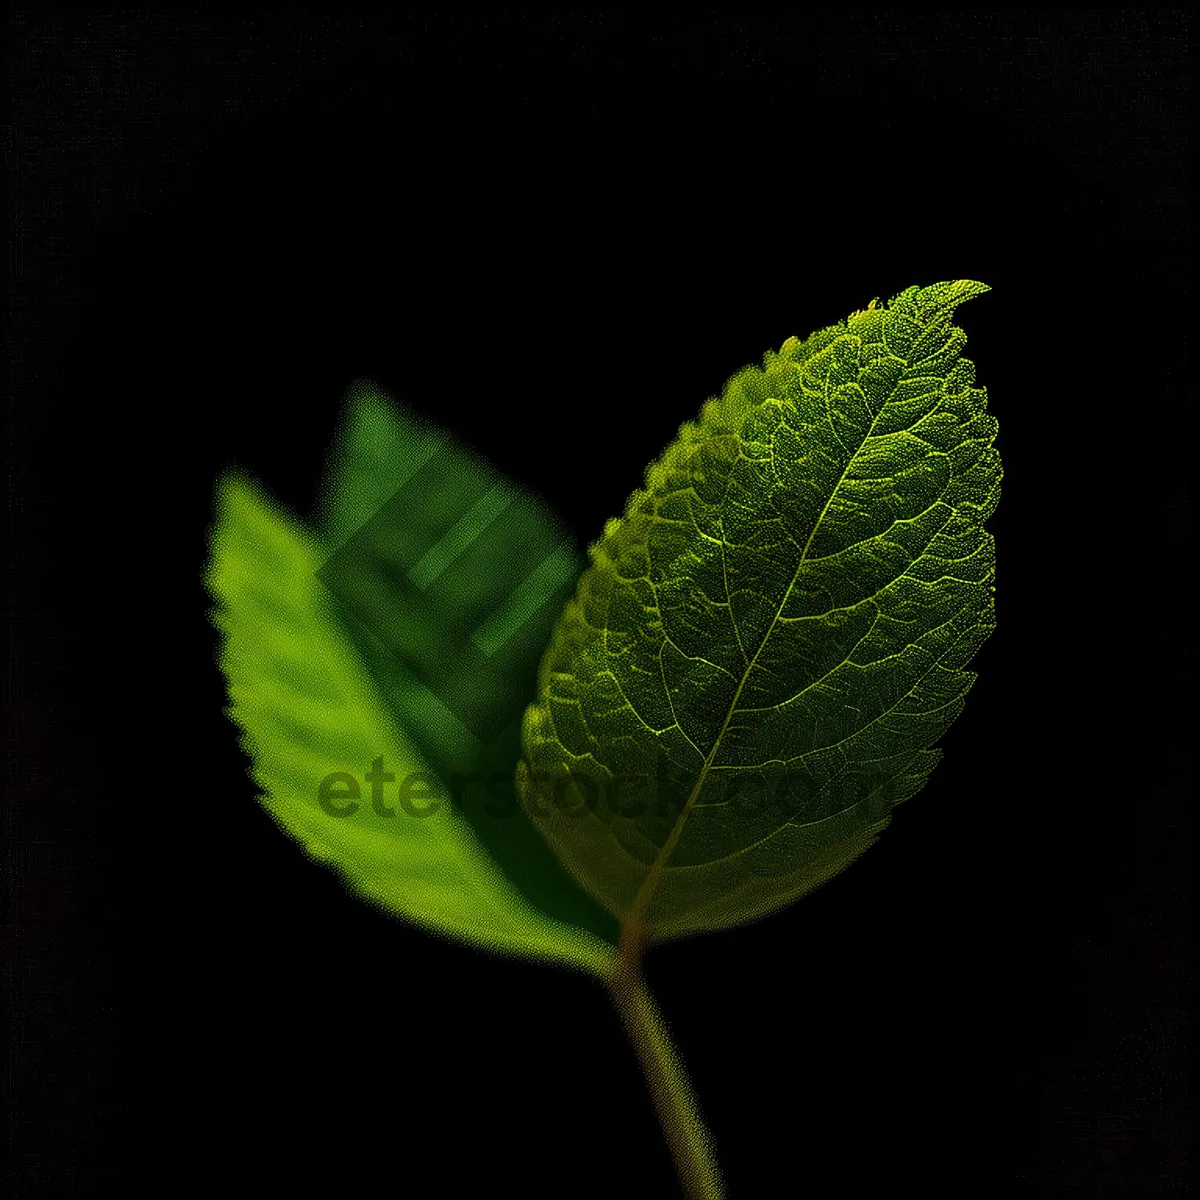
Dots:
(764, 650)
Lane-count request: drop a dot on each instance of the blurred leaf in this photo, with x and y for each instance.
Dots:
(310, 712)
(448, 579)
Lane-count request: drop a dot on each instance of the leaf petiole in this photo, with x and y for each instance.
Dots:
(690, 1142)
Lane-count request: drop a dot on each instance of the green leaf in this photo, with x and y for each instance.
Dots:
(311, 713)
(378, 448)
(448, 579)
(766, 647)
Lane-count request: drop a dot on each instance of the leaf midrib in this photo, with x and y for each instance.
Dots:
(645, 893)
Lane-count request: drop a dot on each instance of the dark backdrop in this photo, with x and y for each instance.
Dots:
(558, 236)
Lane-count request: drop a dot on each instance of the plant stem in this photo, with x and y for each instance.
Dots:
(690, 1142)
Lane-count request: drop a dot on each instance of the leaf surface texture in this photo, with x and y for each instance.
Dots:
(766, 647)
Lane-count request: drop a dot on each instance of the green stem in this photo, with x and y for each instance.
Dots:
(691, 1144)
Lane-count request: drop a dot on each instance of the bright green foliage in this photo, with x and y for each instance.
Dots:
(757, 664)
(309, 708)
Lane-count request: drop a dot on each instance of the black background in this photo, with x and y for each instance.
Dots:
(558, 236)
